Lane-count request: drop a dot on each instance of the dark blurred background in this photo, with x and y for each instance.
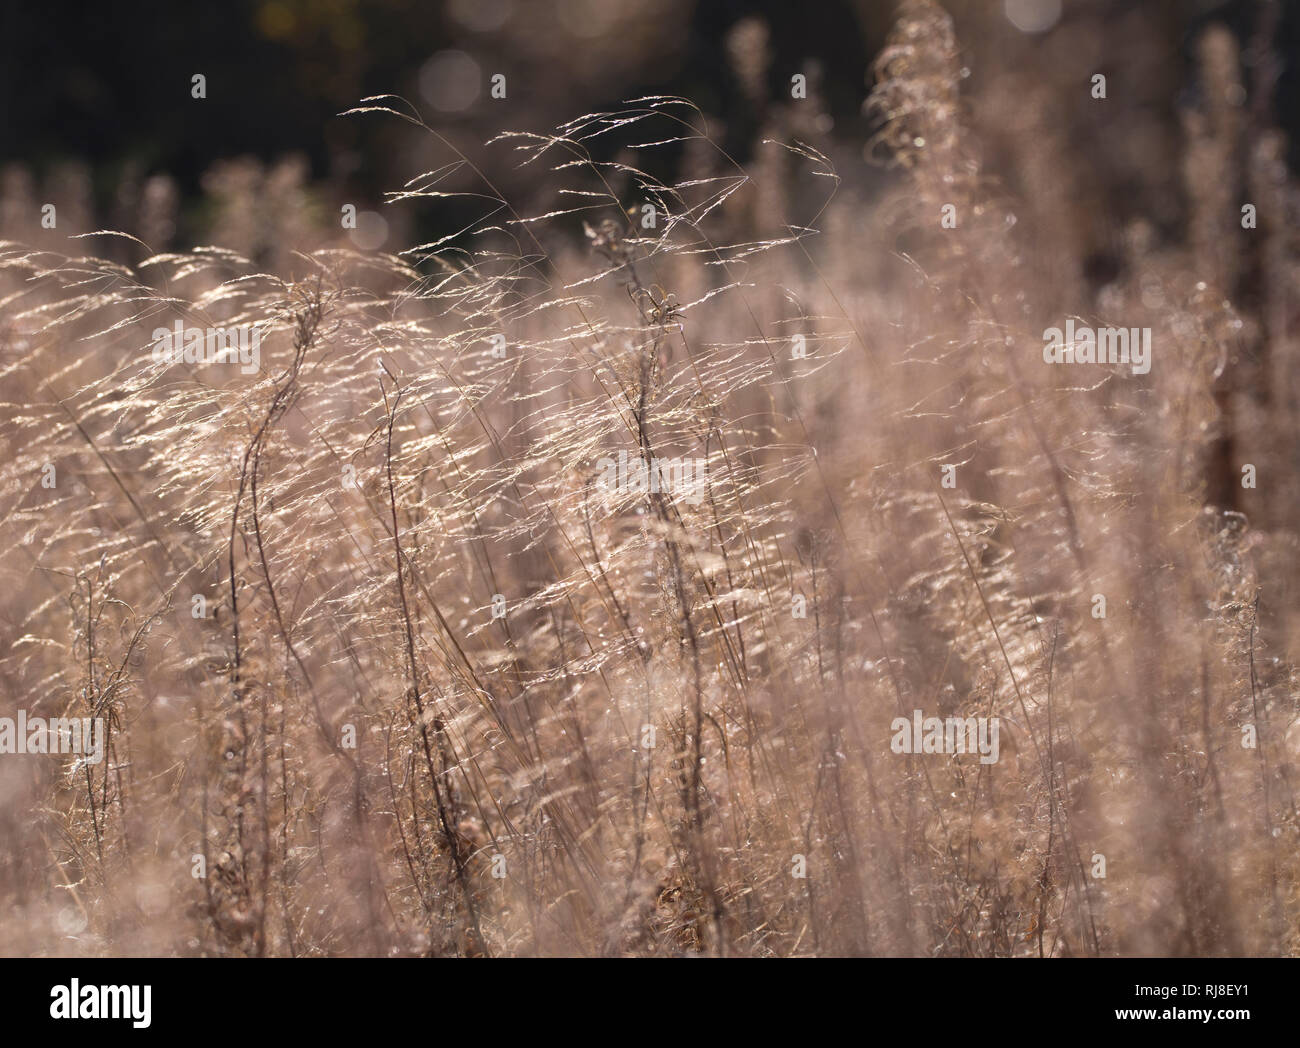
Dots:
(95, 99)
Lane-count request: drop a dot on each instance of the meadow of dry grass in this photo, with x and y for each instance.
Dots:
(362, 755)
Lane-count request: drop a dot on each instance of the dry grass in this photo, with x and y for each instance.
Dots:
(517, 745)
